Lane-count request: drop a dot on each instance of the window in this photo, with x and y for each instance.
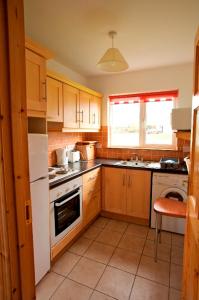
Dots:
(142, 120)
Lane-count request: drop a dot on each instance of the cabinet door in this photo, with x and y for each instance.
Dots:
(71, 106)
(114, 190)
(35, 84)
(95, 112)
(54, 100)
(138, 193)
(84, 110)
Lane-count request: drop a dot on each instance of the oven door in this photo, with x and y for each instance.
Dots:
(66, 212)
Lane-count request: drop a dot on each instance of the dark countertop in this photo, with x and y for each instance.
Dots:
(86, 166)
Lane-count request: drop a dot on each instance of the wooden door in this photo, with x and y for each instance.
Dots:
(138, 193)
(191, 248)
(84, 110)
(95, 112)
(54, 100)
(71, 107)
(35, 84)
(114, 190)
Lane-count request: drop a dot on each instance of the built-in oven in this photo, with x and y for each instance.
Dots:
(65, 208)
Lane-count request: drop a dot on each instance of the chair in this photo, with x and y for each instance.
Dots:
(166, 207)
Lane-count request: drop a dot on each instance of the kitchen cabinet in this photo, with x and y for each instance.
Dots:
(138, 184)
(35, 84)
(114, 190)
(84, 110)
(91, 195)
(71, 107)
(126, 192)
(95, 112)
(54, 100)
(81, 106)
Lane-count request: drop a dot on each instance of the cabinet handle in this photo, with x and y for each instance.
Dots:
(93, 118)
(82, 113)
(123, 179)
(45, 90)
(129, 184)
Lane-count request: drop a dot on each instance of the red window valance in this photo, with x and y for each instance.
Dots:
(144, 97)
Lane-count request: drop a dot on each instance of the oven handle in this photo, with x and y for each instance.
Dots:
(63, 202)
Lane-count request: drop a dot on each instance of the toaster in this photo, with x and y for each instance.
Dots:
(73, 156)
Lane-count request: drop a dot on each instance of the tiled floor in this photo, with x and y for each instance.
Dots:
(115, 260)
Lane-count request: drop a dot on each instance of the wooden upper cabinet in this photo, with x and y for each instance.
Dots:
(95, 112)
(71, 107)
(84, 110)
(138, 184)
(35, 84)
(114, 190)
(196, 65)
(54, 100)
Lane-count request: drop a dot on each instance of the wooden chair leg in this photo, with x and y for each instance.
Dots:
(156, 237)
(160, 229)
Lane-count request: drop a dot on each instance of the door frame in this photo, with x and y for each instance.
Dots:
(16, 242)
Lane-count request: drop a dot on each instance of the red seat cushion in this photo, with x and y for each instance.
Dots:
(170, 207)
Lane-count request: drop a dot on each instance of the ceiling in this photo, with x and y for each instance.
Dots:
(150, 33)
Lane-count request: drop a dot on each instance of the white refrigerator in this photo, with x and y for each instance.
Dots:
(39, 188)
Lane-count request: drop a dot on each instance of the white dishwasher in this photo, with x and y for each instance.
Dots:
(172, 186)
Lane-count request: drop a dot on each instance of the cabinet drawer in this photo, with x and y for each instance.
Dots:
(92, 181)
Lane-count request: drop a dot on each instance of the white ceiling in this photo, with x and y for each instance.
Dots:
(151, 33)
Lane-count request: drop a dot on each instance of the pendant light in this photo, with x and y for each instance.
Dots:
(112, 60)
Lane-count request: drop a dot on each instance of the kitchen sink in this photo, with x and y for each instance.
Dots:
(132, 163)
(139, 164)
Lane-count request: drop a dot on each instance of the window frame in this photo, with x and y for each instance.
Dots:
(142, 134)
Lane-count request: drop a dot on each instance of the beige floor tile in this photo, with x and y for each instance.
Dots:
(99, 296)
(70, 290)
(132, 242)
(174, 294)
(109, 237)
(144, 289)
(92, 232)
(177, 240)
(164, 250)
(166, 236)
(87, 272)
(116, 226)
(80, 246)
(116, 283)
(176, 277)
(101, 222)
(65, 263)
(125, 260)
(177, 255)
(138, 230)
(99, 252)
(48, 285)
(156, 271)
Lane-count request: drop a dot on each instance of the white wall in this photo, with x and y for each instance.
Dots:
(166, 78)
(69, 73)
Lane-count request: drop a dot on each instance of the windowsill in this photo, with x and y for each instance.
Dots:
(143, 148)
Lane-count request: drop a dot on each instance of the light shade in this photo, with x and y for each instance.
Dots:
(112, 61)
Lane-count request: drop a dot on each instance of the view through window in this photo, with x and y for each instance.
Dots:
(142, 121)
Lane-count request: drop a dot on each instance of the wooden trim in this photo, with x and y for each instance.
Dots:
(124, 218)
(38, 49)
(18, 122)
(66, 80)
(184, 135)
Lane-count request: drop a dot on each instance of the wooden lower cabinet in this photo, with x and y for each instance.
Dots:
(138, 185)
(114, 190)
(126, 192)
(91, 195)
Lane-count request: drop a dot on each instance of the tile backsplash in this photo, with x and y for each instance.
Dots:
(59, 139)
